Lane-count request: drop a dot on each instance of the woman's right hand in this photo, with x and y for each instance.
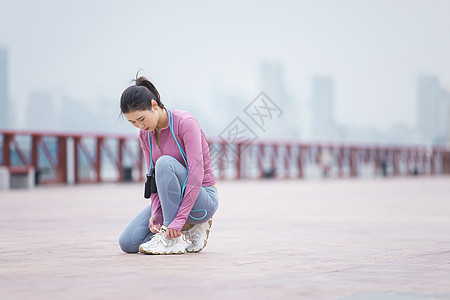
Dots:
(154, 228)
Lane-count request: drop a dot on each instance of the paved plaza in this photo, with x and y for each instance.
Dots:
(275, 239)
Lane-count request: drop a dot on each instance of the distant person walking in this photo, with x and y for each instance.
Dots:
(326, 161)
(180, 178)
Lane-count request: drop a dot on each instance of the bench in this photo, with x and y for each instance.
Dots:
(17, 177)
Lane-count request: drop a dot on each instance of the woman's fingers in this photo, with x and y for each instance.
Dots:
(150, 222)
(172, 233)
(153, 228)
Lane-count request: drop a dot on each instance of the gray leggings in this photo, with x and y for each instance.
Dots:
(170, 176)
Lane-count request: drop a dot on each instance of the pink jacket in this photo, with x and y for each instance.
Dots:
(193, 141)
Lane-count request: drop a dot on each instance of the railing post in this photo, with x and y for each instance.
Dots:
(354, 152)
(274, 170)
(62, 159)
(395, 162)
(35, 140)
(6, 149)
(300, 161)
(340, 161)
(120, 159)
(446, 162)
(425, 160)
(260, 157)
(351, 163)
(76, 164)
(98, 163)
(287, 169)
(238, 161)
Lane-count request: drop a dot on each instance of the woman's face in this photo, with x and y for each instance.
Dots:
(143, 119)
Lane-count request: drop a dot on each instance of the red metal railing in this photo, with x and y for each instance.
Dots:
(300, 160)
(72, 157)
(88, 157)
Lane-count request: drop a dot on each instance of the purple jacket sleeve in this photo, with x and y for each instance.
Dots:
(191, 135)
(156, 209)
(156, 204)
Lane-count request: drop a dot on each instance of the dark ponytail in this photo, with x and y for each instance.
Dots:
(139, 96)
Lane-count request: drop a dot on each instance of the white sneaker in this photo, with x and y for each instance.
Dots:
(161, 244)
(144, 248)
(197, 236)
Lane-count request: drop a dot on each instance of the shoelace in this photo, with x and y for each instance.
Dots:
(159, 237)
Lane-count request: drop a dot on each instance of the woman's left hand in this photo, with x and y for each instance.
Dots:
(172, 233)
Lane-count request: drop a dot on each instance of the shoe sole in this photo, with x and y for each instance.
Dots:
(207, 236)
(159, 253)
(166, 253)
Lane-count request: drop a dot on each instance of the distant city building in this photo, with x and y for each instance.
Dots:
(274, 86)
(433, 109)
(322, 98)
(41, 113)
(5, 109)
(446, 115)
(272, 80)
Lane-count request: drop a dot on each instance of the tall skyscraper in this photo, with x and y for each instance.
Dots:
(446, 116)
(322, 97)
(273, 84)
(4, 101)
(433, 105)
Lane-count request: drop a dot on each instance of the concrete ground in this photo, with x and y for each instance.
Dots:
(334, 239)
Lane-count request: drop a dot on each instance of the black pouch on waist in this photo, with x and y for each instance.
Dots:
(150, 184)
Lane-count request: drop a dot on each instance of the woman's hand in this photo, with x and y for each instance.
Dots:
(172, 233)
(154, 228)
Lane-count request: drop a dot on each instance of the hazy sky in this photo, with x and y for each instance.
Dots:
(89, 50)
